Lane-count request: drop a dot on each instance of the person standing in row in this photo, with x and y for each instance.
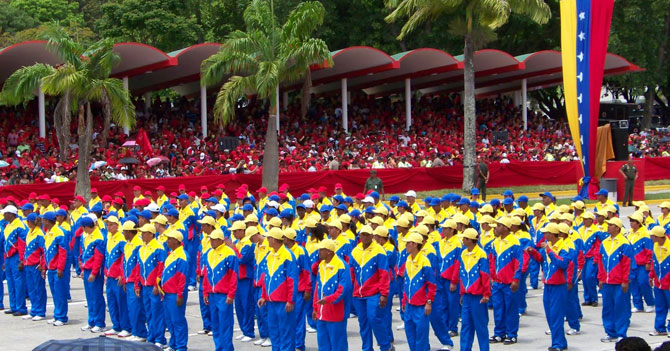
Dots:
(244, 296)
(117, 302)
(55, 257)
(92, 258)
(33, 261)
(131, 281)
(641, 246)
(304, 285)
(659, 277)
(174, 291)
(15, 245)
(151, 259)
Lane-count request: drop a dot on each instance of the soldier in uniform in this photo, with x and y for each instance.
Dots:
(374, 183)
(629, 173)
(482, 177)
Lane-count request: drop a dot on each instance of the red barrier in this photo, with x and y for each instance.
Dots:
(656, 168)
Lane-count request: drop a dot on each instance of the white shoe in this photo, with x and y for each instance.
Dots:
(547, 332)
(191, 288)
(311, 330)
(37, 318)
(246, 339)
(123, 334)
(51, 321)
(27, 317)
(445, 348)
(259, 342)
(649, 309)
(239, 337)
(397, 309)
(573, 332)
(210, 333)
(203, 332)
(160, 345)
(634, 310)
(400, 327)
(266, 343)
(86, 328)
(110, 332)
(237, 330)
(96, 330)
(59, 323)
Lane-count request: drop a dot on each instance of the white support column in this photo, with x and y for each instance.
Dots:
(41, 114)
(408, 103)
(524, 103)
(345, 106)
(285, 100)
(203, 109)
(147, 101)
(277, 109)
(126, 130)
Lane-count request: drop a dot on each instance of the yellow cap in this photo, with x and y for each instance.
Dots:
(160, 219)
(588, 215)
(112, 219)
(645, 208)
(551, 228)
(208, 220)
(428, 220)
(129, 225)
(637, 216)
(382, 231)
(327, 244)
(563, 228)
(408, 216)
(486, 209)
(274, 222)
(601, 213)
(505, 221)
(149, 228)
(470, 234)
(615, 222)
(563, 208)
(638, 203)
(382, 210)
(402, 222)
(345, 218)
(413, 237)
(367, 229)
(216, 234)
(239, 225)
(375, 220)
(421, 229)
(610, 209)
(664, 204)
(252, 218)
(310, 223)
(578, 205)
(250, 231)
(555, 216)
(336, 224)
(275, 233)
(515, 220)
(421, 213)
(175, 234)
(486, 219)
(567, 217)
(290, 233)
(449, 223)
(519, 212)
(537, 207)
(658, 231)
(460, 218)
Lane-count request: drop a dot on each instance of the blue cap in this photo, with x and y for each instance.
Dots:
(133, 211)
(286, 213)
(455, 197)
(274, 198)
(446, 198)
(374, 195)
(342, 207)
(338, 198)
(97, 207)
(464, 201)
(210, 213)
(508, 193)
(50, 215)
(602, 192)
(28, 207)
(546, 193)
(370, 209)
(86, 221)
(247, 207)
(213, 199)
(147, 214)
(251, 198)
(474, 191)
(130, 218)
(435, 202)
(348, 200)
(300, 206)
(355, 213)
(110, 214)
(508, 201)
(522, 198)
(403, 203)
(272, 212)
(325, 208)
(474, 204)
(495, 202)
(32, 217)
(236, 217)
(394, 198)
(61, 212)
(427, 200)
(303, 197)
(577, 198)
(173, 213)
(182, 197)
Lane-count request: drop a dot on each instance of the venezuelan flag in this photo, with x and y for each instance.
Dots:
(585, 27)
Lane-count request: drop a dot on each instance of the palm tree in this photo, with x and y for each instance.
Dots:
(260, 59)
(481, 18)
(81, 80)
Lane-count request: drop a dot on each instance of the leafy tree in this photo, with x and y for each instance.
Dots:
(262, 58)
(473, 20)
(46, 11)
(81, 80)
(13, 20)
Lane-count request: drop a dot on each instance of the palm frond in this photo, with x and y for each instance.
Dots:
(302, 55)
(267, 78)
(537, 10)
(493, 13)
(217, 67)
(66, 78)
(60, 43)
(303, 20)
(23, 84)
(120, 101)
(259, 16)
(102, 58)
(419, 12)
(226, 100)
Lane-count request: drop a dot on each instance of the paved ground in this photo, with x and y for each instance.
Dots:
(25, 335)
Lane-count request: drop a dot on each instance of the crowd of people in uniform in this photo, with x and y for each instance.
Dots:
(308, 263)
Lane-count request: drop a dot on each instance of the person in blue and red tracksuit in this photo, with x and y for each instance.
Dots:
(151, 260)
(130, 282)
(34, 265)
(475, 289)
(332, 288)
(55, 256)
(15, 245)
(244, 296)
(117, 302)
(208, 225)
(280, 289)
(450, 250)
(261, 250)
(370, 289)
(77, 212)
(62, 221)
(92, 258)
(506, 268)
(418, 293)
(304, 285)
(659, 276)
(556, 260)
(591, 246)
(219, 289)
(642, 247)
(188, 218)
(614, 265)
(174, 291)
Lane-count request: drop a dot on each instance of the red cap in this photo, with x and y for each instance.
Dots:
(173, 201)
(221, 186)
(137, 188)
(205, 196)
(192, 194)
(203, 188)
(262, 190)
(148, 193)
(282, 196)
(32, 196)
(311, 190)
(142, 202)
(338, 186)
(119, 194)
(283, 187)
(218, 192)
(322, 189)
(182, 187)
(80, 199)
(174, 194)
(241, 194)
(11, 198)
(359, 196)
(56, 201)
(118, 201)
(64, 208)
(94, 190)
(315, 197)
(161, 188)
(106, 198)
(244, 186)
(44, 197)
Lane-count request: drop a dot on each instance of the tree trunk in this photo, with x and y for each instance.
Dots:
(62, 125)
(107, 114)
(306, 94)
(649, 97)
(470, 117)
(67, 120)
(85, 131)
(271, 152)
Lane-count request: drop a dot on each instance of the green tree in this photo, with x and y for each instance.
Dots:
(49, 10)
(474, 20)
(13, 20)
(262, 58)
(83, 79)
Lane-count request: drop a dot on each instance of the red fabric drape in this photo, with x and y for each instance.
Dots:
(656, 168)
(613, 172)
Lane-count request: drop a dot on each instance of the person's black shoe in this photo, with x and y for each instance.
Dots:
(594, 304)
(553, 349)
(586, 303)
(509, 341)
(19, 314)
(453, 334)
(495, 340)
(9, 312)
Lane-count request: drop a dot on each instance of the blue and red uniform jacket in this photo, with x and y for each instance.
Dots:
(507, 260)
(173, 276)
(304, 268)
(400, 266)
(67, 231)
(188, 219)
(473, 268)
(525, 241)
(370, 267)
(555, 260)
(392, 260)
(114, 255)
(55, 253)
(575, 263)
(203, 248)
(15, 238)
(279, 276)
(419, 284)
(244, 250)
(615, 260)
(660, 271)
(220, 272)
(450, 251)
(152, 258)
(344, 247)
(590, 241)
(75, 216)
(131, 261)
(34, 253)
(642, 246)
(93, 252)
(333, 284)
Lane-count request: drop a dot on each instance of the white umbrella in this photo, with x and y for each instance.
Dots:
(97, 164)
(130, 143)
